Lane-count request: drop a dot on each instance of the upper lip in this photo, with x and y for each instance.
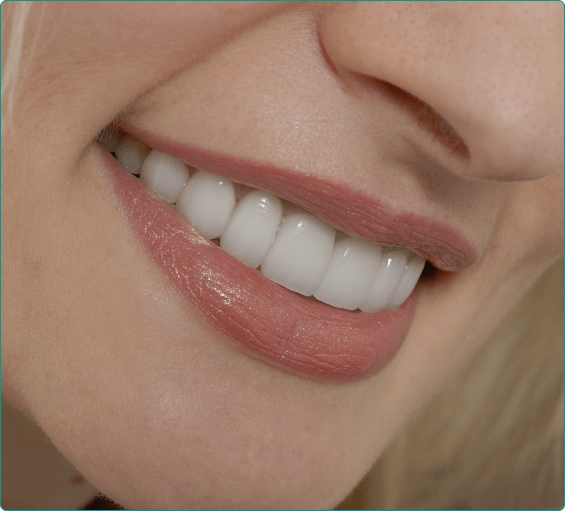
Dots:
(343, 207)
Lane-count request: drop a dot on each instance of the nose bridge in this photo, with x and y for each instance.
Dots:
(493, 71)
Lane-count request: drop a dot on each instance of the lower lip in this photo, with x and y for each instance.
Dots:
(266, 320)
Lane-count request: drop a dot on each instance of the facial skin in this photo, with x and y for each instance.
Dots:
(133, 386)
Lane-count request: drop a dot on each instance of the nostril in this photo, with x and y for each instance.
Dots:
(426, 118)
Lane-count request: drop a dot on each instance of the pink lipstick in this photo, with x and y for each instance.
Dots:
(266, 320)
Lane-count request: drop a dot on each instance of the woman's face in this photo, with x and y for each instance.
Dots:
(433, 126)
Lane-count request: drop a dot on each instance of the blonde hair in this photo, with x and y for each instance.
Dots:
(492, 437)
(15, 45)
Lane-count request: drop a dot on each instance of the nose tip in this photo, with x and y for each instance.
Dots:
(492, 71)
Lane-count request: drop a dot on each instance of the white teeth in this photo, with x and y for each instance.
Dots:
(131, 153)
(300, 253)
(408, 281)
(165, 175)
(207, 202)
(350, 273)
(388, 275)
(252, 227)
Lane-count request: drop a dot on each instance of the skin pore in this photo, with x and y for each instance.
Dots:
(452, 111)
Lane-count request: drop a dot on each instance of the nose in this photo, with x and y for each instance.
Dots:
(492, 70)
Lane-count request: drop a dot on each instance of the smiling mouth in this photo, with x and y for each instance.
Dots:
(247, 259)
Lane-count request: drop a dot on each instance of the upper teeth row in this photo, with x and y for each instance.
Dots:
(293, 248)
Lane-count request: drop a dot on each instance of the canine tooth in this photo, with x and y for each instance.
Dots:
(388, 275)
(299, 253)
(131, 153)
(164, 175)
(207, 202)
(252, 227)
(407, 282)
(351, 270)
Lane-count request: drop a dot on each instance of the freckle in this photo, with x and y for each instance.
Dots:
(78, 479)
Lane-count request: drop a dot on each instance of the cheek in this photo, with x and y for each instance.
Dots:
(533, 224)
(553, 189)
(95, 61)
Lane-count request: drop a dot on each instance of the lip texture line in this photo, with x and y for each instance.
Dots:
(265, 319)
(346, 209)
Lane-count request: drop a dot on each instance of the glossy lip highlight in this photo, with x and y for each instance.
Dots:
(264, 319)
(347, 210)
